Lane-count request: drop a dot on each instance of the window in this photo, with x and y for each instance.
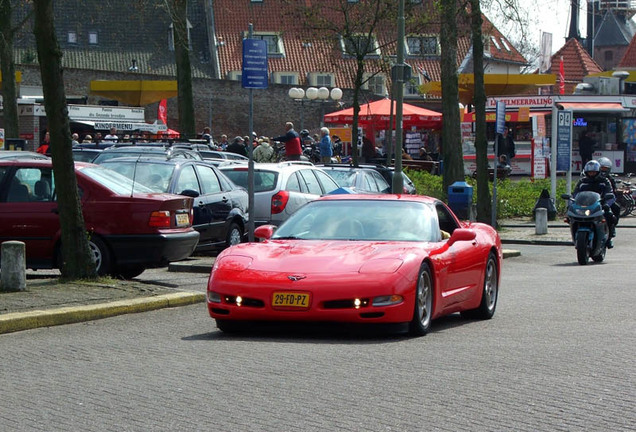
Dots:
(187, 180)
(360, 45)
(171, 36)
(209, 180)
(422, 45)
(609, 56)
(290, 78)
(235, 75)
(494, 41)
(92, 38)
(72, 37)
(319, 79)
(311, 182)
(505, 44)
(274, 42)
(376, 84)
(412, 86)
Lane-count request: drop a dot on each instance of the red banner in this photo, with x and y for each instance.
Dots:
(561, 77)
(162, 111)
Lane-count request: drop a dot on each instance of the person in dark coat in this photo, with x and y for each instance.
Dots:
(586, 146)
(237, 146)
(293, 149)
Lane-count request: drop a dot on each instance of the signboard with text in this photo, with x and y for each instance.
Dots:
(254, 71)
(564, 140)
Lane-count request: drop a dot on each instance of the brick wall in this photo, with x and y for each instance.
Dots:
(230, 103)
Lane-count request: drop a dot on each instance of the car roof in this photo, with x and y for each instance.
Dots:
(155, 160)
(12, 154)
(383, 197)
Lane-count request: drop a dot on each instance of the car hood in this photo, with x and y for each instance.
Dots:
(309, 256)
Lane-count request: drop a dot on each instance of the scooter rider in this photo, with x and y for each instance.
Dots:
(593, 181)
(606, 169)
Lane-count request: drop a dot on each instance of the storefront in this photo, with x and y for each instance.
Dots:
(608, 118)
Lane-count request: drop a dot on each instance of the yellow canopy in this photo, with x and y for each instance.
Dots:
(135, 93)
(496, 85)
(18, 77)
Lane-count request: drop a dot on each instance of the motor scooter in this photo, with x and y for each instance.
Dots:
(589, 228)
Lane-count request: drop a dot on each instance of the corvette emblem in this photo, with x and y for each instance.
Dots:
(295, 278)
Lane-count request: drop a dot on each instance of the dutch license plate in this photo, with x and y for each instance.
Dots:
(183, 219)
(290, 299)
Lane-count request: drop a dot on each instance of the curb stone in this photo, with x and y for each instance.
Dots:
(19, 321)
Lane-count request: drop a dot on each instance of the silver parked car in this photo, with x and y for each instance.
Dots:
(281, 188)
(364, 180)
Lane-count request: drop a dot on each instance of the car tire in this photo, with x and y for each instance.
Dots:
(101, 254)
(489, 293)
(234, 235)
(129, 272)
(423, 308)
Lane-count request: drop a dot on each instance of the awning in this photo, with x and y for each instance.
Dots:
(602, 107)
(511, 116)
(495, 85)
(135, 93)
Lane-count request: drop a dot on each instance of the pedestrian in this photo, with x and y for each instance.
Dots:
(337, 146)
(505, 144)
(112, 136)
(423, 155)
(223, 143)
(98, 138)
(586, 146)
(75, 139)
(293, 150)
(87, 139)
(264, 152)
(368, 150)
(237, 146)
(326, 147)
(207, 134)
(45, 145)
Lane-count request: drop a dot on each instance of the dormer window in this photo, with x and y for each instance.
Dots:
(274, 42)
(494, 41)
(422, 45)
(72, 37)
(505, 44)
(361, 44)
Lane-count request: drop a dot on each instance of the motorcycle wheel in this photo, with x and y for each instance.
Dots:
(582, 254)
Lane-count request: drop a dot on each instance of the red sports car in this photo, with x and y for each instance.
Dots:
(360, 259)
(129, 227)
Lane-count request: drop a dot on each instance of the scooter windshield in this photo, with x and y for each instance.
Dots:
(586, 198)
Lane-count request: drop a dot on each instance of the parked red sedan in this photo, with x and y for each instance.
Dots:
(129, 227)
(360, 259)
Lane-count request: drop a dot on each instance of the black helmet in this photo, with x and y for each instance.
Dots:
(304, 132)
(592, 167)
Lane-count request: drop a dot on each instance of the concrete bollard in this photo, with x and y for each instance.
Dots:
(13, 263)
(541, 221)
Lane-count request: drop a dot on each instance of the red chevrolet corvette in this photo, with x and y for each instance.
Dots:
(360, 259)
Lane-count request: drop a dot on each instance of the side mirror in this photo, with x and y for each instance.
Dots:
(189, 193)
(566, 196)
(461, 234)
(264, 232)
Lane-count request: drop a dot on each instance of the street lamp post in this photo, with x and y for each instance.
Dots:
(321, 95)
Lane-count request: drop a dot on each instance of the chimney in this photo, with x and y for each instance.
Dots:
(574, 21)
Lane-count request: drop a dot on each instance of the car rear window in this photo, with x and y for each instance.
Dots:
(114, 181)
(263, 180)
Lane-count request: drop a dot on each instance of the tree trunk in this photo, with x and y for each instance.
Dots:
(9, 87)
(452, 155)
(184, 70)
(481, 143)
(79, 262)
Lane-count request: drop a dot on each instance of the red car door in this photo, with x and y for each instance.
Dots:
(29, 213)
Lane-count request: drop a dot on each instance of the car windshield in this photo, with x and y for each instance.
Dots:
(155, 176)
(358, 219)
(114, 181)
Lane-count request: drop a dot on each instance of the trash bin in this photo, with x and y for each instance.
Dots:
(460, 198)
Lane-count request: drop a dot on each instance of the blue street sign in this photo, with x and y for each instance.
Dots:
(500, 117)
(254, 72)
(564, 140)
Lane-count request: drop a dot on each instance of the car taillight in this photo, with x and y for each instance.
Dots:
(279, 201)
(160, 219)
(191, 217)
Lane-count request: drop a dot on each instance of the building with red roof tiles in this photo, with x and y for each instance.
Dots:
(577, 64)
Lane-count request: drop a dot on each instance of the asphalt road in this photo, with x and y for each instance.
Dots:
(558, 356)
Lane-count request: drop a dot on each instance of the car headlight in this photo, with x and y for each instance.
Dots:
(214, 297)
(387, 300)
